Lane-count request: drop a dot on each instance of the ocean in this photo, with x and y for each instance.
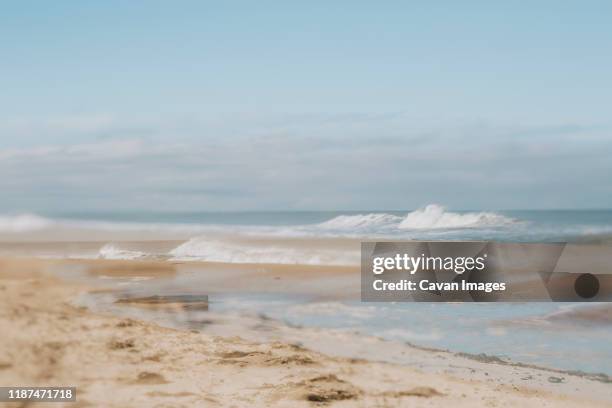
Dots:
(534, 333)
(430, 222)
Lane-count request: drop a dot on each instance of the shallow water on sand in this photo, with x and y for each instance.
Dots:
(560, 336)
(526, 333)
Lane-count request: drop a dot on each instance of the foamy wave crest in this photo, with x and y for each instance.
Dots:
(431, 217)
(23, 223)
(435, 216)
(361, 221)
(112, 251)
(202, 249)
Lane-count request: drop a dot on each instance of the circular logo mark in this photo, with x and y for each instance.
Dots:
(586, 285)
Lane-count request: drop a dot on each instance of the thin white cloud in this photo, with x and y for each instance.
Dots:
(382, 163)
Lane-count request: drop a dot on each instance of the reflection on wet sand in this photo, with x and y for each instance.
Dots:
(178, 302)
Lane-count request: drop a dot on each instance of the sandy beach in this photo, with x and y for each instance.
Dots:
(305, 204)
(49, 339)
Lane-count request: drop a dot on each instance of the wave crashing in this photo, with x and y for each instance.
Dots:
(202, 249)
(112, 251)
(435, 216)
(432, 216)
(361, 221)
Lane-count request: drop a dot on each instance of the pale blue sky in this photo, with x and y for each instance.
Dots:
(305, 105)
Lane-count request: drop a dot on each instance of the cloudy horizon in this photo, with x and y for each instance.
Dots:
(208, 107)
(320, 162)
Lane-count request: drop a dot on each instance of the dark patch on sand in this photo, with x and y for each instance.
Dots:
(146, 377)
(184, 302)
(121, 344)
(327, 388)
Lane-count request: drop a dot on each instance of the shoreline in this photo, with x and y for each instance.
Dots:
(50, 340)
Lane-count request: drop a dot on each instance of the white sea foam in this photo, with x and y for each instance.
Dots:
(435, 216)
(431, 217)
(361, 221)
(113, 251)
(24, 223)
(203, 249)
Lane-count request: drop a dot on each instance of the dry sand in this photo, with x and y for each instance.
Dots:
(48, 341)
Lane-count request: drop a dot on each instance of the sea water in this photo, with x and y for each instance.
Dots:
(521, 332)
(515, 332)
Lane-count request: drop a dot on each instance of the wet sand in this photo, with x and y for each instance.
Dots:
(116, 361)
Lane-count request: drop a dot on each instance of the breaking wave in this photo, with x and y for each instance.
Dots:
(431, 217)
(435, 216)
(202, 249)
(361, 221)
(112, 251)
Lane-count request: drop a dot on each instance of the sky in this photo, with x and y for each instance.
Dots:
(208, 106)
